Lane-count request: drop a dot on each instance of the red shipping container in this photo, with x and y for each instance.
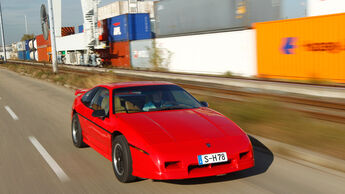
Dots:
(120, 54)
(41, 42)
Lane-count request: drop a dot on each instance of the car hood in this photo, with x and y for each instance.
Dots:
(187, 125)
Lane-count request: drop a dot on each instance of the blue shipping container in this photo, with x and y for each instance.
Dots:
(27, 48)
(129, 27)
(27, 55)
(21, 55)
(80, 29)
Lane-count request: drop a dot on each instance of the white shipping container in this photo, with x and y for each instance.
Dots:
(14, 47)
(13, 55)
(121, 7)
(71, 42)
(21, 46)
(325, 7)
(216, 53)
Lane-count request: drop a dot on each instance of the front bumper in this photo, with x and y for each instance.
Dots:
(196, 171)
(186, 168)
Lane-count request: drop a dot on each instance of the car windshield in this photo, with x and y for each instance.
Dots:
(152, 98)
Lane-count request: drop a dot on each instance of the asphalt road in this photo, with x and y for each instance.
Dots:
(37, 154)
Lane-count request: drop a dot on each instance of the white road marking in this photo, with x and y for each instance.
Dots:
(10, 111)
(51, 162)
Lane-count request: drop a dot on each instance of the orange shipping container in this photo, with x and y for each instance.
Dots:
(43, 55)
(119, 54)
(304, 48)
(41, 42)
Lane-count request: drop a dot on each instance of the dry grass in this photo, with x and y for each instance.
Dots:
(78, 80)
(270, 119)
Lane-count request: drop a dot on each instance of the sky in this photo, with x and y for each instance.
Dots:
(13, 12)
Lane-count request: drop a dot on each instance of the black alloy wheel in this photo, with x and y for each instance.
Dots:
(122, 160)
(77, 136)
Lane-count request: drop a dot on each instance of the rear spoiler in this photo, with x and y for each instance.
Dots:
(78, 91)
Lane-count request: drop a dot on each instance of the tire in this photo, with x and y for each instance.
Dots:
(122, 160)
(77, 136)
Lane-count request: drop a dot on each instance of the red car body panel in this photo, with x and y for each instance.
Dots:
(165, 144)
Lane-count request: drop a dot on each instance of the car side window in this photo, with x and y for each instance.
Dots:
(101, 101)
(87, 97)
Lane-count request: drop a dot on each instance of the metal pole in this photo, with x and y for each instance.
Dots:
(52, 36)
(26, 25)
(2, 35)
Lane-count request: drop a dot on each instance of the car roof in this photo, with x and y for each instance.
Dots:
(134, 83)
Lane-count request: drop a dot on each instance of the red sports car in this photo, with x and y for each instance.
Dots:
(159, 131)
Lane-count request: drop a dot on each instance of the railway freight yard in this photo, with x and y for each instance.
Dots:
(271, 70)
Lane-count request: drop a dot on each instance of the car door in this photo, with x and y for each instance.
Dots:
(98, 128)
(85, 111)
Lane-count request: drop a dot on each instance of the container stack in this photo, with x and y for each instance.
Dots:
(27, 50)
(123, 29)
(21, 50)
(14, 52)
(43, 48)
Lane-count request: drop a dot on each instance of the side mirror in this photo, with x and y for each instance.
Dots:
(204, 104)
(98, 113)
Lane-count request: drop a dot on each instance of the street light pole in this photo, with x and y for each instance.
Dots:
(26, 25)
(2, 35)
(52, 36)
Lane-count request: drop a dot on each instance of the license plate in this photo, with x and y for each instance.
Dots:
(212, 158)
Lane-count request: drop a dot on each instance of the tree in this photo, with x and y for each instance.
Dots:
(28, 37)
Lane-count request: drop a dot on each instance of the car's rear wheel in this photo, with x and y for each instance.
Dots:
(122, 160)
(77, 136)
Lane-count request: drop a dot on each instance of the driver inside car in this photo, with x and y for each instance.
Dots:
(155, 102)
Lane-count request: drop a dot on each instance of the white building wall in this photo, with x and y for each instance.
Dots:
(325, 7)
(215, 53)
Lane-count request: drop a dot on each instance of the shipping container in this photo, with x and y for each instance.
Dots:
(27, 47)
(80, 29)
(22, 55)
(293, 9)
(21, 46)
(27, 55)
(141, 51)
(216, 53)
(129, 27)
(31, 44)
(65, 31)
(42, 42)
(43, 54)
(14, 55)
(14, 47)
(319, 7)
(121, 7)
(72, 42)
(119, 54)
(178, 17)
(310, 48)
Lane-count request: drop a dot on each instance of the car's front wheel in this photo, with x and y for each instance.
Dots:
(77, 136)
(122, 160)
